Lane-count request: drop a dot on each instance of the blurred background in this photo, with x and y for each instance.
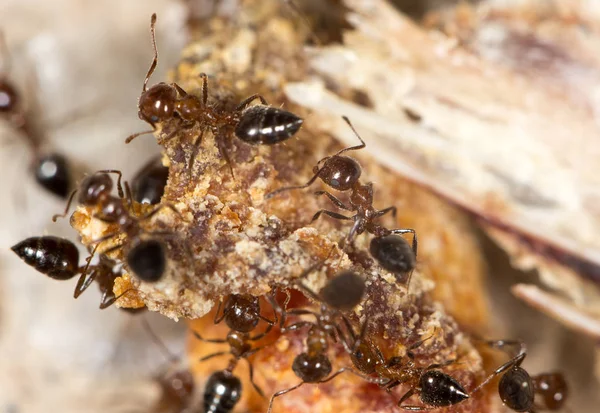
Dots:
(81, 64)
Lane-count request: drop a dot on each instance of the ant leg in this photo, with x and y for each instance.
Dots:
(335, 200)
(207, 340)
(158, 208)
(82, 282)
(135, 135)
(514, 362)
(352, 148)
(281, 393)
(128, 196)
(223, 152)
(382, 212)
(332, 214)
(159, 343)
(251, 374)
(66, 211)
(179, 89)
(375, 380)
(249, 100)
(213, 355)
(406, 395)
(218, 319)
(288, 188)
(418, 344)
(500, 344)
(298, 326)
(195, 150)
(107, 303)
(119, 176)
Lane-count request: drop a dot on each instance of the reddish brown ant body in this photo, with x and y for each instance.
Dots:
(51, 170)
(254, 125)
(242, 315)
(58, 258)
(341, 293)
(145, 257)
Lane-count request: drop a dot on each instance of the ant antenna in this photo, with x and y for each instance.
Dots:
(155, 60)
(352, 148)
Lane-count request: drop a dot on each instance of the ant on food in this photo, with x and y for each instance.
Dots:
(51, 170)
(517, 389)
(341, 293)
(58, 258)
(241, 314)
(342, 173)
(255, 125)
(434, 387)
(145, 257)
(148, 186)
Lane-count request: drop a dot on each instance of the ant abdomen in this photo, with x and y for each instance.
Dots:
(344, 291)
(148, 186)
(52, 173)
(340, 172)
(147, 260)
(266, 125)
(222, 392)
(9, 97)
(440, 389)
(157, 104)
(516, 390)
(311, 369)
(55, 257)
(393, 253)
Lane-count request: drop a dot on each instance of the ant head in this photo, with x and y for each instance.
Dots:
(516, 389)
(9, 98)
(242, 312)
(364, 357)
(157, 104)
(52, 173)
(393, 253)
(55, 257)
(311, 369)
(344, 292)
(440, 389)
(148, 260)
(553, 388)
(340, 172)
(93, 188)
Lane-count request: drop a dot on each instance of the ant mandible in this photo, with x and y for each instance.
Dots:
(434, 387)
(341, 293)
(52, 171)
(58, 258)
(242, 315)
(255, 125)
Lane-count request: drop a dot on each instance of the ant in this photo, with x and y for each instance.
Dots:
(341, 293)
(255, 125)
(58, 258)
(434, 387)
(342, 173)
(222, 392)
(145, 257)
(241, 314)
(393, 254)
(148, 186)
(51, 170)
(517, 389)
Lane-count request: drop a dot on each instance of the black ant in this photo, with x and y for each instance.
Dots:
(393, 253)
(341, 293)
(241, 314)
(148, 185)
(517, 389)
(58, 258)
(145, 257)
(51, 170)
(255, 125)
(222, 392)
(342, 173)
(434, 387)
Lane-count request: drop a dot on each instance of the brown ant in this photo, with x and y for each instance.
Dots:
(148, 185)
(517, 389)
(145, 257)
(241, 314)
(58, 258)
(342, 173)
(341, 293)
(51, 170)
(255, 125)
(434, 387)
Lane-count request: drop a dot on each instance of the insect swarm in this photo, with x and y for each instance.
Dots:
(242, 244)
